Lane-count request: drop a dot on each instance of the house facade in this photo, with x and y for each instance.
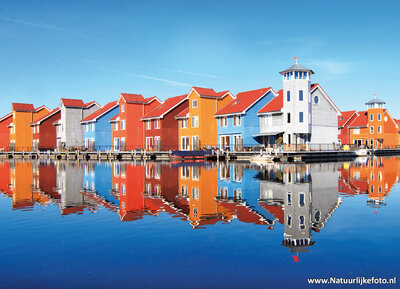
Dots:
(161, 126)
(373, 128)
(198, 127)
(301, 113)
(44, 133)
(20, 131)
(127, 127)
(5, 123)
(69, 129)
(238, 124)
(343, 128)
(97, 130)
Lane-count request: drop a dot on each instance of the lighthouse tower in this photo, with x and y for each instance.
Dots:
(297, 104)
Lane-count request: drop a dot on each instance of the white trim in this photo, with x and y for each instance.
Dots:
(327, 97)
(162, 116)
(95, 119)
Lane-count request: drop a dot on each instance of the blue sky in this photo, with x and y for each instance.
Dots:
(95, 50)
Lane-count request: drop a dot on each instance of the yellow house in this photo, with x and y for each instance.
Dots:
(197, 124)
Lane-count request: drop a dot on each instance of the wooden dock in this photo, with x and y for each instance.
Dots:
(288, 156)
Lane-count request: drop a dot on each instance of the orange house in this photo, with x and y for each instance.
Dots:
(127, 128)
(21, 133)
(373, 128)
(197, 124)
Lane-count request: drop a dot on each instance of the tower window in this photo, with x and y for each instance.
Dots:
(379, 116)
(371, 129)
(296, 75)
(301, 118)
(300, 95)
(288, 118)
(288, 96)
(371, 117)
(316, 99)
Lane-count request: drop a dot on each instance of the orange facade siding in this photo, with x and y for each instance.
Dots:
(207, 129)
(380, 131)
(21, 134)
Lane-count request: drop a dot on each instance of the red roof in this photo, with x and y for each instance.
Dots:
(23, 107)
(41, 107)
(275, 104)
(150, 99)
(91, 103)
(360, 120)
(72, 102)
(243, 101)
(6, 116)
(39, 120)
(182, 113)
(114, 118)
(133, 97)
(209, 92)
(100, 112)
(344, 118)
(276, 211)
(166, 106)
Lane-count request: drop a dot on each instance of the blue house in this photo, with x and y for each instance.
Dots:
(238, 122)
(97, 131)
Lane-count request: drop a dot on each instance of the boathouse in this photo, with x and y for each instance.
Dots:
(44, 132)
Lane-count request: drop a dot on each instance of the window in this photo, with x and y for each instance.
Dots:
(301, 223)
(289, 198)
(371, 129)
(185, 143)
(184, 123)
(92, 126)
(288, 117)
(301, 116)
(237, 120)
(356, 130)
(223, 121)
(195, 121)
(86, 127)
(302, 199)
(122, 107)
(379, 129)
(123, 190)
(185, 172)
(289, 220)
(157, 124)
(379, 116)
(316, 99)
(317, 216)
(300, 95)
(148, 124)
(116, 125)
(194, 103)
(184, 191)
(195, 193)
(237, 194)
(223, 193)
(371, 117)
(123, 124)
(296, 75)
(195, 173)
(288, 96)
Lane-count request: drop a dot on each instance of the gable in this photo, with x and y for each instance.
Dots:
(317, 90)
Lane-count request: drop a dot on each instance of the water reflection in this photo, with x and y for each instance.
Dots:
(299, 198)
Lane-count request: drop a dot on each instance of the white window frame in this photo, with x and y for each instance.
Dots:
(122, 107)
(92, 126)
(184, 123)
(194, 103)
(237, 120)
(187, 143)
(195, 121)
(223, 122)
(157, 124)
(123, 124)
(148, 124)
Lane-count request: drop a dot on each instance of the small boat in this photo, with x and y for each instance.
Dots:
(263, 158)
(361, 152)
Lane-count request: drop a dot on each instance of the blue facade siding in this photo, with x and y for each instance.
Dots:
(102, 133)
(250, 189)
(250, 124)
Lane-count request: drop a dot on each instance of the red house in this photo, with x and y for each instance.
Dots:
(161, 126)
(344, 120)
(5, 121)
(44, 132)
(127, 129)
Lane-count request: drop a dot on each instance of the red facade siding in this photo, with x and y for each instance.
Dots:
(344, 133)
(48, 132)
(5, 132)
(169, 130)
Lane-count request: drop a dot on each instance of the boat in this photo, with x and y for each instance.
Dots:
(362, 152)
(263, 158)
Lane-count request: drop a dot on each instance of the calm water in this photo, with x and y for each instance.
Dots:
(196, 225)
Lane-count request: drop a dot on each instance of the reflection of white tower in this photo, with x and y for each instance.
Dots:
(297, 104)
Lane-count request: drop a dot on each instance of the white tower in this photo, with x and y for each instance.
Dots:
(296, 104)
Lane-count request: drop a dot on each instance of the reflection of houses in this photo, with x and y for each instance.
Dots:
(375, 177)
(303, 204)
(238, 193)
(24, 185)
(5, 178)
(69, 186)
